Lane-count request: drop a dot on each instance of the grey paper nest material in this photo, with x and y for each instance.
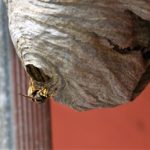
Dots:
(95, 52)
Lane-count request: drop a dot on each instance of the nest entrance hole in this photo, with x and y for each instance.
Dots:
(37, 74)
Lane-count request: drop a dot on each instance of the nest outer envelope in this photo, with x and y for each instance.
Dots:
(70, 39)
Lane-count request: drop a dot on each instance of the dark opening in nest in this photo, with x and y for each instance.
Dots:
(37, 74)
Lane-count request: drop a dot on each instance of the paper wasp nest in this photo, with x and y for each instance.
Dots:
(88, 53)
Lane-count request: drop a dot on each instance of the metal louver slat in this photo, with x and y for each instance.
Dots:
(32, 120)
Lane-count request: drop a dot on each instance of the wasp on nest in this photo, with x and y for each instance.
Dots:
(41, 86)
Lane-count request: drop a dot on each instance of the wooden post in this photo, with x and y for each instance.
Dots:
(6, 112)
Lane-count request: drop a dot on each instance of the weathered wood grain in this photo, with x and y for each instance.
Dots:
(92, 50)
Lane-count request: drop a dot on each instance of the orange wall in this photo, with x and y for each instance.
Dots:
(126, 126)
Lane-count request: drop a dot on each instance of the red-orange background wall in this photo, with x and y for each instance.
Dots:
(126, 126)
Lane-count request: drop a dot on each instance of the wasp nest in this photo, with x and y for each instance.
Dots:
(84, 53)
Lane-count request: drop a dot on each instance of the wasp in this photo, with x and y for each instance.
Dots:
(38, 95)
(39, 92)
(41, 86)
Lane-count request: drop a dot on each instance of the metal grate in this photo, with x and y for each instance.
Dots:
(32, 121)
